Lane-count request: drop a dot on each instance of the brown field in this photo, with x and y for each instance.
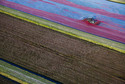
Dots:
(59, 56)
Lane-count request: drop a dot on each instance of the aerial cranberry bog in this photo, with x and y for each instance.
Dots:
(59, 56)
(68, 16)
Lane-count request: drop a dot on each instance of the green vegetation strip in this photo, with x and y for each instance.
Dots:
(118, 1)
(63, 29)
(21, 75)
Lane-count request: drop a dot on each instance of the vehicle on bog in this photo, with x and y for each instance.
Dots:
(91, 21)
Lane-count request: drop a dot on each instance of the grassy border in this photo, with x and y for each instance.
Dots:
(63, 29)
(13, 78)
(21, 76)
(117, 1)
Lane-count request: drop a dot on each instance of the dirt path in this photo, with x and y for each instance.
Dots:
(59, 56)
